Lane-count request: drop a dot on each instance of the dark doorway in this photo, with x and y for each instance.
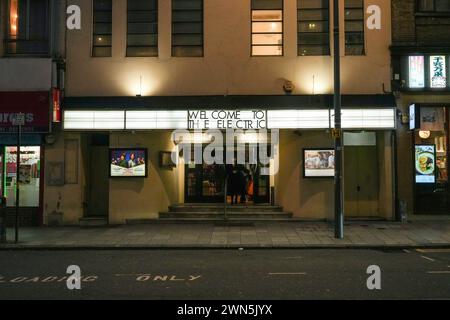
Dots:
(97, 188)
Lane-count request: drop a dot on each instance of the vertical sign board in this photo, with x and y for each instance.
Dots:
(425, 164)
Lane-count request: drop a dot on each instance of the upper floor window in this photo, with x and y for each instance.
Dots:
(428, 72)
(354, 27)
(27, 30)
(434, 5)
(142, 28)
(102, 28)
(313, 27)
(187, 28)
(267, 27)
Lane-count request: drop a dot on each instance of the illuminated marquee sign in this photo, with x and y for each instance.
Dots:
(227, 119)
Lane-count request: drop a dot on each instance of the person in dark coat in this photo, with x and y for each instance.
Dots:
(241, 183)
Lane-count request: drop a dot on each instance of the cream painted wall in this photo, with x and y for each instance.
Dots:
(69, 198)
(314, 198)
(227, 67)
(305, 198)
(143, 198)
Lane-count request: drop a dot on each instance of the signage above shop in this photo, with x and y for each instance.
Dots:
(378, 119)
(32, 106)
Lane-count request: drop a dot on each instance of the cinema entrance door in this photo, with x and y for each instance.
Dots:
(205, 183)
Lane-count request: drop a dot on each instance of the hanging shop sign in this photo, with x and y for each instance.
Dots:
(425, 163)
(34, 106)
(438, 72)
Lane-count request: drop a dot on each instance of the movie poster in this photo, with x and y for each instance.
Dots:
(318, 163)
(128, 162)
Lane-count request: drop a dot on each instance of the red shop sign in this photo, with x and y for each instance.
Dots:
(34, 105)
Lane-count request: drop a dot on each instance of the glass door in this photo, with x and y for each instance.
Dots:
(434, 198)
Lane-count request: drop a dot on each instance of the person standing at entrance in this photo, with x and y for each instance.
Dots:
(241, 177)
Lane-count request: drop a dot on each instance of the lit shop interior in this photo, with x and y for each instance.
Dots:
(431, 159)
(29, 175)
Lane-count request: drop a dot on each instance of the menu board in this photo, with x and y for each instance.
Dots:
(128, 163)
(425, 163)
(318, 163)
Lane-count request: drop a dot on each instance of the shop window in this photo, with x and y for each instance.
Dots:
(433, 6)
(267, 27)
(428, 72)
(438, 72)
(354, 27)
(434, 131)
(313, 27)
(187, 28)
(29, 176)
(416, 65)
(27, 29)
(102, 28)
(142, 28)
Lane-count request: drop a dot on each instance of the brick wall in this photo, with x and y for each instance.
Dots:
(411, 28)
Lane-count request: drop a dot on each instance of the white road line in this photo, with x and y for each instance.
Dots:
(406, 251)
(443, 250)
(428, 258)
(439, 272)
(287, 273)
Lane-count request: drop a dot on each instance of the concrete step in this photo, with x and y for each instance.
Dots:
(231, 215)
(240, 221)
(93, 222)
(220, 207)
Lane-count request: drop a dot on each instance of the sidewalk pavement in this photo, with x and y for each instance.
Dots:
(258, 235)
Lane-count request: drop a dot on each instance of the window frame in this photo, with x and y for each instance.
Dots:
(267, 45)
(157, 33)
(172, 33)
(93, 46)
(363, 20)
(434, 11)
(7, 31)
(299, 33)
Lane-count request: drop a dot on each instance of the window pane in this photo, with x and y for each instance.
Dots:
(426, 5)
(267, 4)
(443, 5)
(191, 51)
(102, 28)
(438, 72)
(187, 4)
(187, 39)
(267, 50)
(307, 15)
(188, 27)
(313, 38)
(313, 26)
(142, 51)
(416, 71)
(354, 27)
(102, 40)
(142, 28)
(267, 15)
(311, 50)
(29, 175)
(260, 27)
(28, 27)
(267, 39)
(102, 5)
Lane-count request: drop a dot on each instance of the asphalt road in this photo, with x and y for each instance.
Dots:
(225, 274)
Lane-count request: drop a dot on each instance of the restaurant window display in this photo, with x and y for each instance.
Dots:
(28, 177)
(431, 151)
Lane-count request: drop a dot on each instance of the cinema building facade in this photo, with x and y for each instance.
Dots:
(138, 70)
